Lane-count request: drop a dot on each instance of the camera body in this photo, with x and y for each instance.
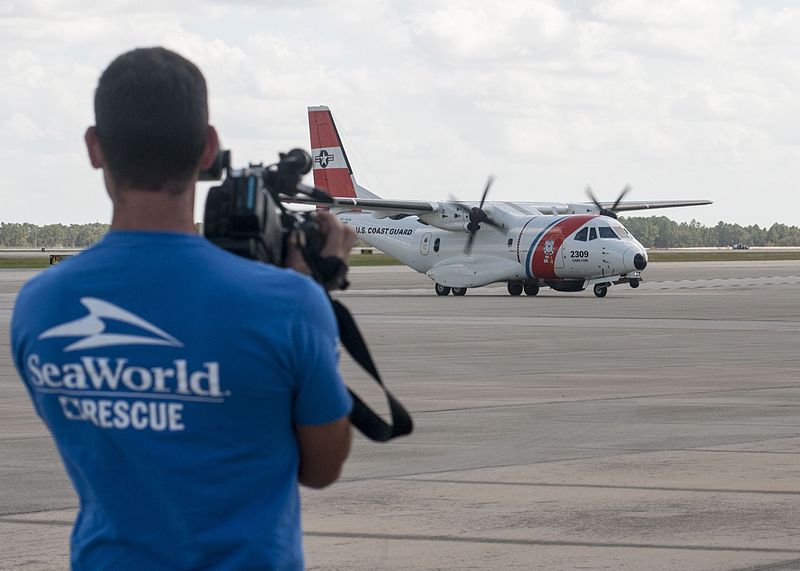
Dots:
(246, 216)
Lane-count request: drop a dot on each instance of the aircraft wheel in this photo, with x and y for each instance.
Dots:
(600, 290)
(514, 288)
(531, 289)
(459, 291)
(634, 283)
(441, 290)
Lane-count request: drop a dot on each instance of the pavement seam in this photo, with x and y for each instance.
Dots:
(604, 486)
(37, 522)
(545, 542)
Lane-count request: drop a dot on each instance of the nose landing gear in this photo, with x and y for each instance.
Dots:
(600, 290)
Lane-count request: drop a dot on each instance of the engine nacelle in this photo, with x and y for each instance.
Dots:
(447, 217)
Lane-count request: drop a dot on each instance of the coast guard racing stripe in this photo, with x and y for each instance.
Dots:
(548, 245)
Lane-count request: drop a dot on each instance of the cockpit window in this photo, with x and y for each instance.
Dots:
(607, 232)
(621, 231)
(592, 233)
(581, 235)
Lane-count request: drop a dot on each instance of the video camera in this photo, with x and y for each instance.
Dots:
(246, 215)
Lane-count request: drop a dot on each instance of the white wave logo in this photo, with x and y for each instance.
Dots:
(92, 328)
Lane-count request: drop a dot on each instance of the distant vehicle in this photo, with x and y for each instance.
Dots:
(740, 247)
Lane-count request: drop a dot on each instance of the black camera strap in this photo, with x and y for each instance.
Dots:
(362, 417)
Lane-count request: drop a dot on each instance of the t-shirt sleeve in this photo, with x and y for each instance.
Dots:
(320, 394)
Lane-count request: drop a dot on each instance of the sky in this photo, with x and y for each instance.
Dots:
(688, 99)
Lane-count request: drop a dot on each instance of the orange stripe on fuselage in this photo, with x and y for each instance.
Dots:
(543, 264)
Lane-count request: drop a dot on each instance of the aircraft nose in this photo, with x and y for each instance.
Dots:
(635, 258)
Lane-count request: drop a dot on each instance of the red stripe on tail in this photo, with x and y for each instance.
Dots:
(332, 171)
(323, 131)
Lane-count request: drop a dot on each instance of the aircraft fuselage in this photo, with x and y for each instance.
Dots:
(563, 251)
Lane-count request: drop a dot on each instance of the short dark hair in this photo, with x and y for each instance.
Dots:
(151, 115)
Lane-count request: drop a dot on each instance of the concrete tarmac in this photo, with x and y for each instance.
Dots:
(656, 428)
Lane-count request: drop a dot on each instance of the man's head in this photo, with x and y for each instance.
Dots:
(151, 114)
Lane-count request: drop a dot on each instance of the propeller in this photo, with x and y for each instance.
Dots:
(610, 212)
(477, 216)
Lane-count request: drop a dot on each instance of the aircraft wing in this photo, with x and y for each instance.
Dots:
(653, 204)
(412, 207)
(419, 207)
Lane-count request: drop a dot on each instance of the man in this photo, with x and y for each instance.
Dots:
(188, 390)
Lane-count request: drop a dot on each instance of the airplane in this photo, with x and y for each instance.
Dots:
(567, 247)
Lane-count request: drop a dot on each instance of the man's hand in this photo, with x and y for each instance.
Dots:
(339, 240)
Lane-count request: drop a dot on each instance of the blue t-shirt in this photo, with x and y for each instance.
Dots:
(171, 375)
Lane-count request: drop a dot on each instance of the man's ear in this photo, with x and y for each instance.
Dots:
(210, 149)
(93, 146)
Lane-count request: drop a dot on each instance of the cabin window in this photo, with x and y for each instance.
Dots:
(592, 234)
(581, 235)
(436, 244)
(607, 232)
(510, 242)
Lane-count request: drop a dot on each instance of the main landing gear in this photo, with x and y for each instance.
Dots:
(516, 288)
(634, 282)
(445, 290)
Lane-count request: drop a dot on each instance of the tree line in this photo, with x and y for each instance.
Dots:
(652, 232)
(26, 235)
(661, 232)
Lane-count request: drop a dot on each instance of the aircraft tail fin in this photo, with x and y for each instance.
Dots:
(332, 171)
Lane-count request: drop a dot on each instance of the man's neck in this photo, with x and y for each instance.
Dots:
(136, 209)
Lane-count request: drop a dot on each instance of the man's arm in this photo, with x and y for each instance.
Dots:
(323, 450)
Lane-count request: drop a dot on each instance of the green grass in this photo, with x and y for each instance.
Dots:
(722, 256)
(372, 260)
(24, 263)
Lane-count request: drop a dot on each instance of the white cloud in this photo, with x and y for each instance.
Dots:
(687, 99)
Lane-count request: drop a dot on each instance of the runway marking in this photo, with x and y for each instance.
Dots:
(607, 487)
(703, 283)
(722, 282)
(546, 543)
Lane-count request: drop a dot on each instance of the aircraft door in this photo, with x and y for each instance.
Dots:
(562, 255)
(425, 244)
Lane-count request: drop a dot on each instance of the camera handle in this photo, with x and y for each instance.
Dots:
(362, 417)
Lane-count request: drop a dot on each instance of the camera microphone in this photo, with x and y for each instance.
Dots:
(297, 160)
